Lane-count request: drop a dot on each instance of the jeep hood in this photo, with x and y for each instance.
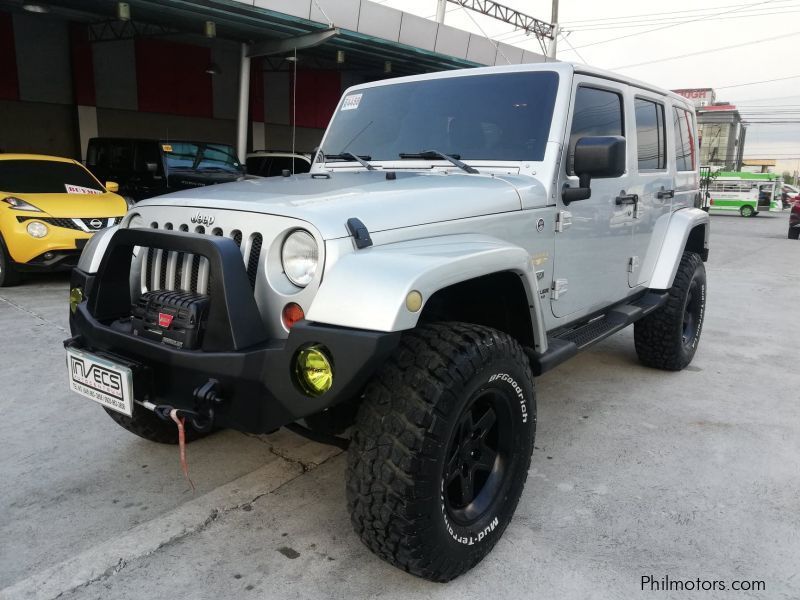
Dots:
(327, 202)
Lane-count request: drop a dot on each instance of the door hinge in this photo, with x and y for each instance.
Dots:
(559, 288)
(563, 220)
(633, 264)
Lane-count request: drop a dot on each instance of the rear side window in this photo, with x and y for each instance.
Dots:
(651, 144)
(683, 125)
(597, 112)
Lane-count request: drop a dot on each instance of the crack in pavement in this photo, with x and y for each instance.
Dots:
(76, 573)
(283, 454)
(32, 313)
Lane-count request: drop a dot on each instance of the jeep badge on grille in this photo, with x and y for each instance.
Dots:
(202, 219)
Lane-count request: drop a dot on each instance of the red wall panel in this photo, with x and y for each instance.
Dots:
(82, 65)
(171, 78)
(317, 94)
(9, 84)
(257, 90)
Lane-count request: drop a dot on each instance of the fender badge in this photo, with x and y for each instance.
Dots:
(164, 319)
(540, 225)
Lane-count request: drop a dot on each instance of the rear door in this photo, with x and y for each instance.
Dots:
(590, 267)
(684, 153)
(655, 185)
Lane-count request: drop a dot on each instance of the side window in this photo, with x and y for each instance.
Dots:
(684, 139)
(146, 153)
(650, 135)
(597, 112)
(120, 156)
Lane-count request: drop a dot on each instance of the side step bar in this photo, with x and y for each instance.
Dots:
(567, 343)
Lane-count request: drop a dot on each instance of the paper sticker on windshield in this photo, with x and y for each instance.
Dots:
(76, 189)
(166, 147)
(351, 102)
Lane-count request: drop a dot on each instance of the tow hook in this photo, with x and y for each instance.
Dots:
(206, 397)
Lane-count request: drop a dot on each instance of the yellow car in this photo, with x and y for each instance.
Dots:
(49, 208)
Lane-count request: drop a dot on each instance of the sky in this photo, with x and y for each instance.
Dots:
(718, 36)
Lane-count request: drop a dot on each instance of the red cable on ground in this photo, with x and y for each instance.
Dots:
(179, 421)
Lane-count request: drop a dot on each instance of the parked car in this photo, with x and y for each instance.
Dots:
(794, 221)
(147, 168)
(272, 164)
(451, 244)
(49, 208)
(791, 195)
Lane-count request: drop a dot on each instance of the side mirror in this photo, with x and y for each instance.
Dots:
(151, 167)
(595, 156)
(112, 186)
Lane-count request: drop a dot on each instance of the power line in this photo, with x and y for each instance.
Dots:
(693, 11)
(622, 37)
(725, 87)
(791, 9)
(564, 37)
(740, 45)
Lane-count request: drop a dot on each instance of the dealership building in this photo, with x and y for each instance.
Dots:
(264, 74)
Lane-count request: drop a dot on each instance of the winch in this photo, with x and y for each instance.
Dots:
(175, 318)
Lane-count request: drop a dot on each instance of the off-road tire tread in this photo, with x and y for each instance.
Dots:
(147, 425)
(657, 338)
(400, 431)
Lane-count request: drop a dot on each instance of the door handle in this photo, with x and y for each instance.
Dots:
(624, 198)
(664, 194)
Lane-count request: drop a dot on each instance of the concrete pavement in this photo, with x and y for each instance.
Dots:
(636, 472)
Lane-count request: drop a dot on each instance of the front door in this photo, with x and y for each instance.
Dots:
(593, 247)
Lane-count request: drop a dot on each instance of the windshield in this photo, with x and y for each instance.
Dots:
(46, 177)
(201, 157)
(504, 116)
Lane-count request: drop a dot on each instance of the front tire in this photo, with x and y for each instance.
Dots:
(668, 337)
(147, 425)
(8, 273)
(441, 449)
(747, 211)
(794, 233)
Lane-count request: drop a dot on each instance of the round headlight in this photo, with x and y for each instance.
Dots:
(37, 229)
(300, 257)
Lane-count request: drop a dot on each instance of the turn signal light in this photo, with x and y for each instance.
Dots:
(75, 298)
(292, 313)
(314, 370)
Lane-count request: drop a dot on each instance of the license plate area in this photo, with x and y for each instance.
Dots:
(102, 380)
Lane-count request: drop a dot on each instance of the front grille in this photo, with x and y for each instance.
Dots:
(173, 270)
(88, 224)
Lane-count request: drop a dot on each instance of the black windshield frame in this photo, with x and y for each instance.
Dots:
(502, 117)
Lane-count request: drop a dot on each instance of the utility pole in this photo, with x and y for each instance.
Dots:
(551, 50)
(441, 6)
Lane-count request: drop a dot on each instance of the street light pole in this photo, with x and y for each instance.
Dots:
(441, 6)
(551, 50)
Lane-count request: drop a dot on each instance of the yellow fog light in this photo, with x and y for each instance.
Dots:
(75, 298)
(314, 371)
(414, 301)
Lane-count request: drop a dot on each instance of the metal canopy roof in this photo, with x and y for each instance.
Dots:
(242, 22)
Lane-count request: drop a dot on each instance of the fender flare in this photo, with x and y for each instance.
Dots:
(680, 227)
(367, 289)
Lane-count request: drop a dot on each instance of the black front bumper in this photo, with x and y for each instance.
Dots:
(256, 378)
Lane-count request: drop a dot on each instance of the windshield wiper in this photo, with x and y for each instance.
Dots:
(434, 154)
(350, 156)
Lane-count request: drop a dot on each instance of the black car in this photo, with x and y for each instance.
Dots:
(146, 168)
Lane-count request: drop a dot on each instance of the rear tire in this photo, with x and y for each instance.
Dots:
(147, 425)
(441, 449)
(747, 211)
(8, 273)
(794, 233)
(667, 338)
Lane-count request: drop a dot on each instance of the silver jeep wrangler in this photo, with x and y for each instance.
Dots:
(459, 234)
